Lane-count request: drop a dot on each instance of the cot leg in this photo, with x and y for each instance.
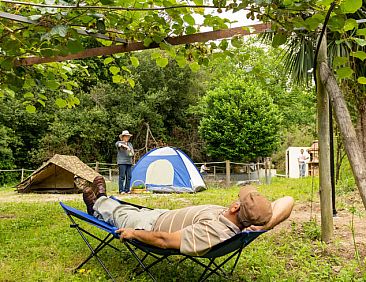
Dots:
(139, 261)
(94, 253)
(236, 261)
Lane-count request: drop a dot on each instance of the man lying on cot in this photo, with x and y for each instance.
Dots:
(193, 230)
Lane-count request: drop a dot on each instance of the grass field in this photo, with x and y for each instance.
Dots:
(36, 243)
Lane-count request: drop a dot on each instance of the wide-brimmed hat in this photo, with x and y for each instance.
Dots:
(255, 209)
(125, 133)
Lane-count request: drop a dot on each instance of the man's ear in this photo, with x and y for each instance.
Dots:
(234, 208)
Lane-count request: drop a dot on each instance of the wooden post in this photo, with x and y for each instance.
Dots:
(110, 174)
(266, 170)
(227, 163)
(258, 171)
(22, 176)
(270, 170)
(324, 150)
(97, 166)
(214, 172)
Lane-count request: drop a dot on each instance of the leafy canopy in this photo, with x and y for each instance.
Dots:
(56, 29)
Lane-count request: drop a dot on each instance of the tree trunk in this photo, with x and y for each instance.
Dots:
(361, 126)
(325, 186)
(348, 132)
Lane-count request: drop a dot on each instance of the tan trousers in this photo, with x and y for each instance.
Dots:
(126, 216)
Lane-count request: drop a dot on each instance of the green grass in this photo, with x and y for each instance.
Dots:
(36, 244)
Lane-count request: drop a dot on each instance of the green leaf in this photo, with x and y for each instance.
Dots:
(359, 54)
(10, 92)
(114, 70)
(195, 67)
(147, 41)
(118, 79)
(237, 42)
(52, 84)
(135, 61)
(74, 46)
(336, 22)
(31, 109)
(350, 6)
(345, 72)
(41, 102)
(339, 61)
(155, 55)
(359, 41)
(361, 80)
(28, 95)
(223, 44)
(162, 62)
(313, 22)
(60, 30)
(181, 61)
(279, 39)
(350, 24)
(67, 91)
(41, 96)
(61, 103)
(189, 19)
(361, 32)
(190, 30)
(131, 82)
(108, 60)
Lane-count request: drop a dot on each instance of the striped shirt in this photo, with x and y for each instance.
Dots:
(202, 227)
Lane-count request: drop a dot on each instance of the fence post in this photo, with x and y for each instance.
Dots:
(258, 171)
(270, 170)
(214, 172)
(227, 163)
(97, 166)
(266, 170)
(22, 177)
(110, 174)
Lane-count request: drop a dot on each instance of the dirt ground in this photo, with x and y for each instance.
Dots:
(301, 213)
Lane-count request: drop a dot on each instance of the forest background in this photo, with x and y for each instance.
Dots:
(240, 106)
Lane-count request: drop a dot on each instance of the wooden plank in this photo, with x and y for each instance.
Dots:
(136, 46)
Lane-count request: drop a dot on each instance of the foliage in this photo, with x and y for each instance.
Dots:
(160, 98)
(240, 121)
(54, 31)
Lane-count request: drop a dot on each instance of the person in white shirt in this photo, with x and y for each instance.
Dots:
(303, 157)
(204, 169)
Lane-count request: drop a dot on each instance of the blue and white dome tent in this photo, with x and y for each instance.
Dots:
(167, 170)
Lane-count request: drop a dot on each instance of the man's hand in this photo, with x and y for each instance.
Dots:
(125, 233)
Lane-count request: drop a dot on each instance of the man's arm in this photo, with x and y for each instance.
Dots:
(162, 240)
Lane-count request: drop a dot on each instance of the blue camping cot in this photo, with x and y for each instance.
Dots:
(229, 249)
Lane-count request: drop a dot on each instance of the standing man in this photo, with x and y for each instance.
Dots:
(124, 160)
(302, 162)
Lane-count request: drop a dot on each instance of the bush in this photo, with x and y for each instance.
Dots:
(240, 121)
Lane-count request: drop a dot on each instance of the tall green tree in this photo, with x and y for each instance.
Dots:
(240, 121)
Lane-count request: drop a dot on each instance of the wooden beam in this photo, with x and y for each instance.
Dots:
(136, 46)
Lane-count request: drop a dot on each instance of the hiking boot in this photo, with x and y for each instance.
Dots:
(99, 186)
(89, 198)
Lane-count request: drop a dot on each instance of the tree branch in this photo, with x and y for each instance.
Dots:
(106, 7)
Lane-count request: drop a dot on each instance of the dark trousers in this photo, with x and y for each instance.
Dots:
(124, 177)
